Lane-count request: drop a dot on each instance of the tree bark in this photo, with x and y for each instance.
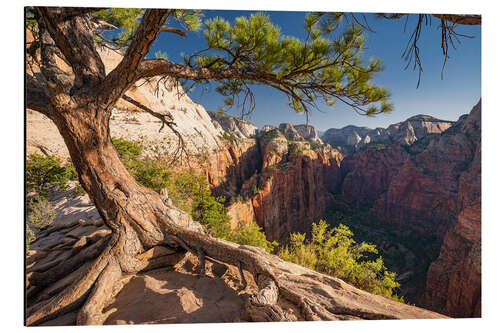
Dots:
(134, 214)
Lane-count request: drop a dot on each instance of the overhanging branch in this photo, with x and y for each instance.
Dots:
(465, 19)
(155, 67)
(174, 31)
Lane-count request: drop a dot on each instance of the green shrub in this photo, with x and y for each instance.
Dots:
(251, 234)
(255, 190)
(376, 146)
(335, 252)
(190, 193)
(45, 172)
(315, 145)
(127, 150)
(30, 236)
(40, 212)
(229, 137)
(151, 173)
(78, 190)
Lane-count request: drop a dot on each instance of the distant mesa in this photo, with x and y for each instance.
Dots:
(353, 138)
(294, 132)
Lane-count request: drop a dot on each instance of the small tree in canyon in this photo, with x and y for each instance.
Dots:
(66, 81)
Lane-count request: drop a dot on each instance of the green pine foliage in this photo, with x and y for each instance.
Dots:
(318, 67)
(335, 252)
(249, 233)
(123, 22)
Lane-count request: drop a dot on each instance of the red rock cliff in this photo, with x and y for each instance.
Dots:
(292, 191)
(432, 187)
(454, 279)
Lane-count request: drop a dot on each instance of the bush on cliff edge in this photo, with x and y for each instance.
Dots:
(335, 252)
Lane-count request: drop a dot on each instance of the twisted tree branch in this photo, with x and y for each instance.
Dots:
(75, 40)
(119, 80)
(166, 120)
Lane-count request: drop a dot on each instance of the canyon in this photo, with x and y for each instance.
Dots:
(413, 188)
(421, 191)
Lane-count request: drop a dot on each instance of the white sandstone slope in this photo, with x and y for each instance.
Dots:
(239, 127)
(160, 95)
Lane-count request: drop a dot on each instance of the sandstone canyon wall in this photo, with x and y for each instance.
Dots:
(431, 188)
(454, 279)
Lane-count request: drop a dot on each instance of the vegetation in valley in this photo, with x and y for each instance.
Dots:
(405, 252)
(376, 146)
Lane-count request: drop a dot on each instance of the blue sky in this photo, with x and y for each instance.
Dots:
(449, 98)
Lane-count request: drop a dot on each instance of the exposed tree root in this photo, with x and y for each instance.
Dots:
(72, 297)
(201, 257)
(285, 292)
(105, 287)
(263, 305)
(242, 276)
(52, 272)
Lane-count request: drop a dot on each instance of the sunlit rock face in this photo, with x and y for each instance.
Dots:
(161, 95)
(424, 193)
(238, 127)
(309, 133)
(294, 192)
(454, 279)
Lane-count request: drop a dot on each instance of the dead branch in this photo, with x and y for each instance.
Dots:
(465, 19)
(166, 120)
(173, 30)
(123, 76)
